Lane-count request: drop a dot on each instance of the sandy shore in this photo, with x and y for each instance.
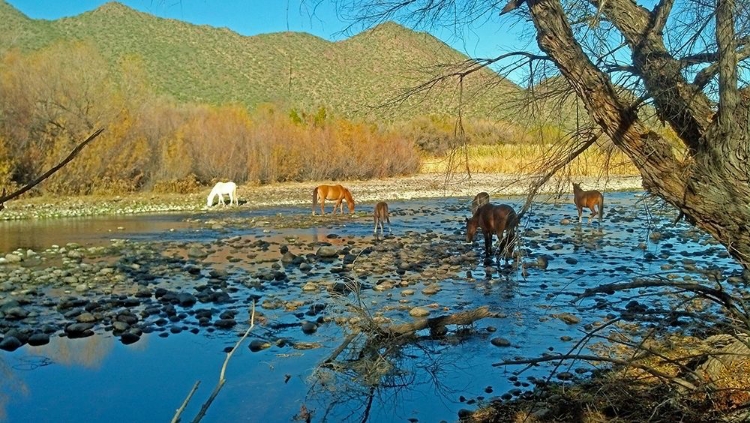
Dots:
(430, 186)
(299, 193)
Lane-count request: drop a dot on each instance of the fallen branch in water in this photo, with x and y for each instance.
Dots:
(222, 379)
(437, 324)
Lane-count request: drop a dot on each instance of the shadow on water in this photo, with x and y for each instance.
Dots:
(372, 282)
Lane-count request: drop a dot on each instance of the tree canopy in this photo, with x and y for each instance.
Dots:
(683, 61)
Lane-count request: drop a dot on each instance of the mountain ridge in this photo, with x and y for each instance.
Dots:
(201, 63)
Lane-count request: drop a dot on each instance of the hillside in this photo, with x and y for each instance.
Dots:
(216, 65)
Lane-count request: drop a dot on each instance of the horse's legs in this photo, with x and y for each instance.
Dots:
(322, 206)
(340, 205)
(580, 214)
(487, 242)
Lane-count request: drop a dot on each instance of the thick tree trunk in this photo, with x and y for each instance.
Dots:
(710, 184)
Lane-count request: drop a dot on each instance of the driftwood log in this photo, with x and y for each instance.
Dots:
(437, 324)
(385, 334)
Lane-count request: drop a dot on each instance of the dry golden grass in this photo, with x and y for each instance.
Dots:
(525, 159)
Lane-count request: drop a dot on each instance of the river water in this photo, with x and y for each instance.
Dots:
(100, 379)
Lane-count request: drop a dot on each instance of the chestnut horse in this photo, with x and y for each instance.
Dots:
(332, 192)
(381, 215)
(588, 199)
(499, 220)
(479, 200)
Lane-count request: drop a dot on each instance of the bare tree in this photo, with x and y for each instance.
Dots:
(683, 60)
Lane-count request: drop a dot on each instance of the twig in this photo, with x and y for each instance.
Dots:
(49, 173)
(341, 347)
(177, 415)
(653, 372)
(220, 384)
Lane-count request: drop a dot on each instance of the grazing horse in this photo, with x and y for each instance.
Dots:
(332, 192)
(588, 199)
(498, 220)
(220, 189)
(381, 215)
(481, 199)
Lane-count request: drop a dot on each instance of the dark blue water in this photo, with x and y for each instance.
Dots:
(98, 379)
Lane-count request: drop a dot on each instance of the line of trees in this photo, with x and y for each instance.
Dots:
(53, 98)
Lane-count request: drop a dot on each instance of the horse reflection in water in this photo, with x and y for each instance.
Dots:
(500, 220)
(221, 189)
(593, 200)
(332, 192)
(380, 215)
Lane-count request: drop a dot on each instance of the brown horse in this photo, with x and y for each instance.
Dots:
(332, 192)
(380, 216)
(479, 200)
(499, 220)
(588, 199)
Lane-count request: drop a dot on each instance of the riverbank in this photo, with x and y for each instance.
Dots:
(427, 185)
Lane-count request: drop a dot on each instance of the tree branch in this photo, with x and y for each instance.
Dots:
(647, 369)
(50, 172)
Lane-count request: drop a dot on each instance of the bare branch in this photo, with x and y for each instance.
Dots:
(585, 357)
(50, 172)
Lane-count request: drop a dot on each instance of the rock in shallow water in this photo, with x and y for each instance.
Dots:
(10, 343)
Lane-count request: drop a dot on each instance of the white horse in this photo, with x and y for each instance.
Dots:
(220, 189)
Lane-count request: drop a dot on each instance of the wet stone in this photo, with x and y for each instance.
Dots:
(309, 327)
(15, 313)
(419, 312)
(10, 343)
(500, 342)
(86, 318)
(37, 339)
(225, 323)
(128, 338)
(258, 345)
(79, 330)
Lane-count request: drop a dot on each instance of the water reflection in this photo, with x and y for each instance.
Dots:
(422, 377)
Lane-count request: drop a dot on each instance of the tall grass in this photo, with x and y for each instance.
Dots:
(527, 159)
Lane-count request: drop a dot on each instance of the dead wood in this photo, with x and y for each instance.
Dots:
(50, 172)
(437, 324)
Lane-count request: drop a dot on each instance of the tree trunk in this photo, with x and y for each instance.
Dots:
(709, 184)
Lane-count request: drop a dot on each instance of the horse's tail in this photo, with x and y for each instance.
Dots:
(314, 199)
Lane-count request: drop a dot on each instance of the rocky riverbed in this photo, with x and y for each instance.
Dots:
(315, 279)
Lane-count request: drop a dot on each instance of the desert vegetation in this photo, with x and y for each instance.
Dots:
(56, 96)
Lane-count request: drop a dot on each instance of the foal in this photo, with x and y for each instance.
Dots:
(499, 220)
(588, 199)
(380, 215)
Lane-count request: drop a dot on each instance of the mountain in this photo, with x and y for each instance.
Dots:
(216, 65)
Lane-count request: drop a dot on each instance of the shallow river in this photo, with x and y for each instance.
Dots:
(100, 379)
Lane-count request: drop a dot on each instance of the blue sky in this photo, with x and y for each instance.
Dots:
(251, 17)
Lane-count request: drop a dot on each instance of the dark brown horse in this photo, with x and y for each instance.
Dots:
(479, 200)
(380, 216)
(332, 192)
(499, 220)
(588, 199)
